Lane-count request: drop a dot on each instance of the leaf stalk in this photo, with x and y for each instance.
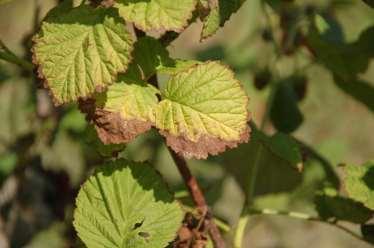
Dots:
(198, 198)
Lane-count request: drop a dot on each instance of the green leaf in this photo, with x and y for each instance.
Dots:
(177, 66)
(369, 2)
(367, 232)
(360, 90)
(273, 164)
(157, 15)
(6, 54)
(133, 100)
(81, 51)
(126, 204)
(283, 146)
(8, 162)
(4, 74)
(63, 6)
(333, 56)
(329, 28)
(364, 44)
(73, 120)
(125, 110)
(346, 61)
(203, 111)
(220, 12)
(9, 56)
(284, 111)
(149, 56)
(55, 234)
(211, 23)
(359, 183)
(108, 151)
(280, 145)
(330, 205)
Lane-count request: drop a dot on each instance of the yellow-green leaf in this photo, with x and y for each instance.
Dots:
(359, 183)
(178, 65)
(203, 111)
(219, 12)
(81, 51)
(157, 15)
(124, 111)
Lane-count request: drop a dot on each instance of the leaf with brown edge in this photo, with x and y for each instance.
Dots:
(80, 51)
(123, 112)
(203, 111)
(157, 16)
(113, 129)
(204, 146)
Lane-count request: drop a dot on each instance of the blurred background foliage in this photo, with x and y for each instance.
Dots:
(323, 96)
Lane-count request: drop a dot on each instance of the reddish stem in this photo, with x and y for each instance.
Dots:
(198, 198)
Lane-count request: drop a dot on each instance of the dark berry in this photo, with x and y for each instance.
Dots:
(300, 84)
(267, 35)
(262, 78)
(310, 10)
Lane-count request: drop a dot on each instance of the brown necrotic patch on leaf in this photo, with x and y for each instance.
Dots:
(111, 127)
(204, 120)
(42, 82)
(206, 145)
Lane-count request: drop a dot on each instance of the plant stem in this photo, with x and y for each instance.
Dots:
(9, 56)
(220, 223)
(239, 232)
(244, 216)
(277, 48)
(198, 198)
(304, 216)
(191, 182)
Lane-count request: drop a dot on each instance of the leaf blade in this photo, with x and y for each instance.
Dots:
(122, 201)
(124, 111)
(157, 15)
(359, 183)
(81, 51)
(219, 13)
(203, 111)
(284, 111)
(330, 205)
